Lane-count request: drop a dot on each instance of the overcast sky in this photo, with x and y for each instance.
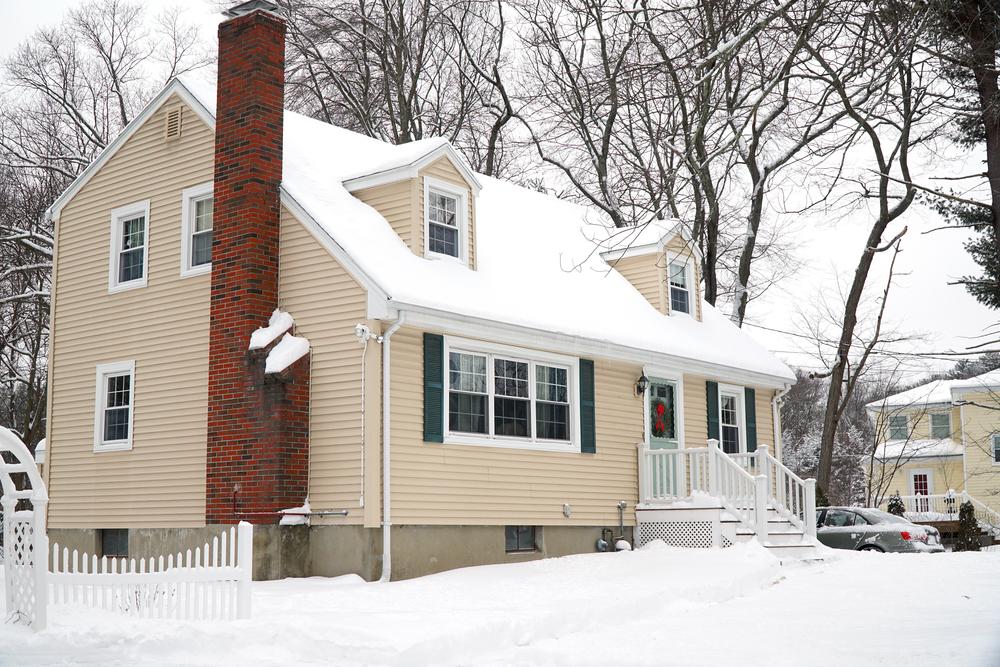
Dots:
(922, 302)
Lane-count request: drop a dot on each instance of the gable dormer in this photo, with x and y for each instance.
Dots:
(428, 196)
(665, 270)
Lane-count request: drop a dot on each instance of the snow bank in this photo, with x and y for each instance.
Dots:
(279, 323)
(289, 350)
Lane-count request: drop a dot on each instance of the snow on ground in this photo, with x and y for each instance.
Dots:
(656, 606)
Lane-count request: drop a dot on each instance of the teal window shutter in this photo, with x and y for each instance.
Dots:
(751, 414)
(712, 399)
(433, 388)
(588, 434)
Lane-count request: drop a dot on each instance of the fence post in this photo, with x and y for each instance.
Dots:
(809, 520)
(244, 536)
(713, 467)
(8, 503)
(760, 507)
(40, 559)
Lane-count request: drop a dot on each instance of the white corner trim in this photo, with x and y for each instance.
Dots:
(462, 211)
(114, 246)
(188, 197)
(100, 396)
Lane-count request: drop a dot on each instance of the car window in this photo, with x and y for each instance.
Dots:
(839, 518)
(859, 520)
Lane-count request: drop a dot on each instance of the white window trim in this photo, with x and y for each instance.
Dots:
(100, 399)
(741, 412)
(930, 424)
(888, 427)
(572, 364)
(140, 207)
(994, 442)
(188, 198)
(930, 480)
(654, 374)
(461, 213)
(689, 277)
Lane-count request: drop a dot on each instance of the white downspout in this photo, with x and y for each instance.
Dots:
(779, 450)
(386, 431)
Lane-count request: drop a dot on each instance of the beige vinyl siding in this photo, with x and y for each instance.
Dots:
(397, 203)
(327, 303)
(946, 473)
(696, 413)
(981, 419)
(647, 275)
(442, 169)
(163, 327)
(475, 485)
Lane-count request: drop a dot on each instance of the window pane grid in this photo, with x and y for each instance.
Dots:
(131, 258)
(940, 426)
(442, 228)
(729, 420)
(680, 301)
(898, 427)
(521, 408)
(201, 231)
(996, 449)
(118, 395)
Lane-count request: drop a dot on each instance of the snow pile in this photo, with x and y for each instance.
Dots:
(279, 323)
(296, 516)
(938, 392)
(289, 350)
(905, 449)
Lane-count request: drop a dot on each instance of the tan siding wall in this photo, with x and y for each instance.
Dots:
(696, 413)
(163, 326)
(455, 484)
(327, 303)
(397, 202)
(647, 274)
(981, 422)
(946, 473)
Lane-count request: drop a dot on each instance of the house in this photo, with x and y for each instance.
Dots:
(939, 444)
(254, 311)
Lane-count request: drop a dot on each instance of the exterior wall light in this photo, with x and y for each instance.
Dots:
(641, 384)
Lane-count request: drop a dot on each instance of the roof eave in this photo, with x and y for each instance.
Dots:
(412, 170)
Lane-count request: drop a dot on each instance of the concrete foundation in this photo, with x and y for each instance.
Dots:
(329, 551)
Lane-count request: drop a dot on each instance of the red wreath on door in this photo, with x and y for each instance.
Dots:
(659, 419)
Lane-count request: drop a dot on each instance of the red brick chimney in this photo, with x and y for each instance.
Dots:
(257, 424)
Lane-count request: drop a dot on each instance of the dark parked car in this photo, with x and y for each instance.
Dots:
(864, 529)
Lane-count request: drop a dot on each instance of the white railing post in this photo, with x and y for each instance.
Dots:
(244, 557)
(809, 520)
(760, 507)
(764, 464)
(713, 467)
(643, 463)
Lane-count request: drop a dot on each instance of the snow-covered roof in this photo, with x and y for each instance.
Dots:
(915, 449)
(938, 392)
(536, 266)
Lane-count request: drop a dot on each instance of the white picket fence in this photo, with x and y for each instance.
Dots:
(210, 583)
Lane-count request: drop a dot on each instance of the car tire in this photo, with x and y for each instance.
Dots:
(872, 547)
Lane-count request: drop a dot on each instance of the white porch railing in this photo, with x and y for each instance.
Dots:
(944, 507)
(746, 484)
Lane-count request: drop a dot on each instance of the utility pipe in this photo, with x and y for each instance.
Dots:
(386, 431)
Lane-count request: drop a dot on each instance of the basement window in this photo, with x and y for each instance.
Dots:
(520, 539)
(114, 542)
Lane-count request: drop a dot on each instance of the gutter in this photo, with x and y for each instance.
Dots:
(386, 459)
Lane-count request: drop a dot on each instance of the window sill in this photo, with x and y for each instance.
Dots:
(112, 447)
(202, 270)
(511, 443)
(125, 287)
(441, 257)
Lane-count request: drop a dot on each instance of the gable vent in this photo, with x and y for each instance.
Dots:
(173, 127)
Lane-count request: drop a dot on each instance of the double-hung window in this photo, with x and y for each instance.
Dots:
(996, 448)
(114, 406)
(196, 230)
(731, 420)
(940, 426)
(509, 398)
(445, 219)
(899, 427)
(129, 246)
(680, 287)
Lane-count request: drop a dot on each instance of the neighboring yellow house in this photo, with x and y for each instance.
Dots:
(939, 444)
(458, 370)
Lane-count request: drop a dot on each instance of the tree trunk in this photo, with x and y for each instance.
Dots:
(983, 46)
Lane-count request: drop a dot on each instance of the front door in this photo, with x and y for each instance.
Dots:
(663, 435)
(920, 485)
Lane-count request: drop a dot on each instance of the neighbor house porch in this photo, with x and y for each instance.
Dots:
(701, 497)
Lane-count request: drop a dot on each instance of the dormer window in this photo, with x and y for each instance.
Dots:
(680, 287)
(445, 220)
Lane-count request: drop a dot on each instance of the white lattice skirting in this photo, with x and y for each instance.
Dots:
(687, 534)
(20, 571)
